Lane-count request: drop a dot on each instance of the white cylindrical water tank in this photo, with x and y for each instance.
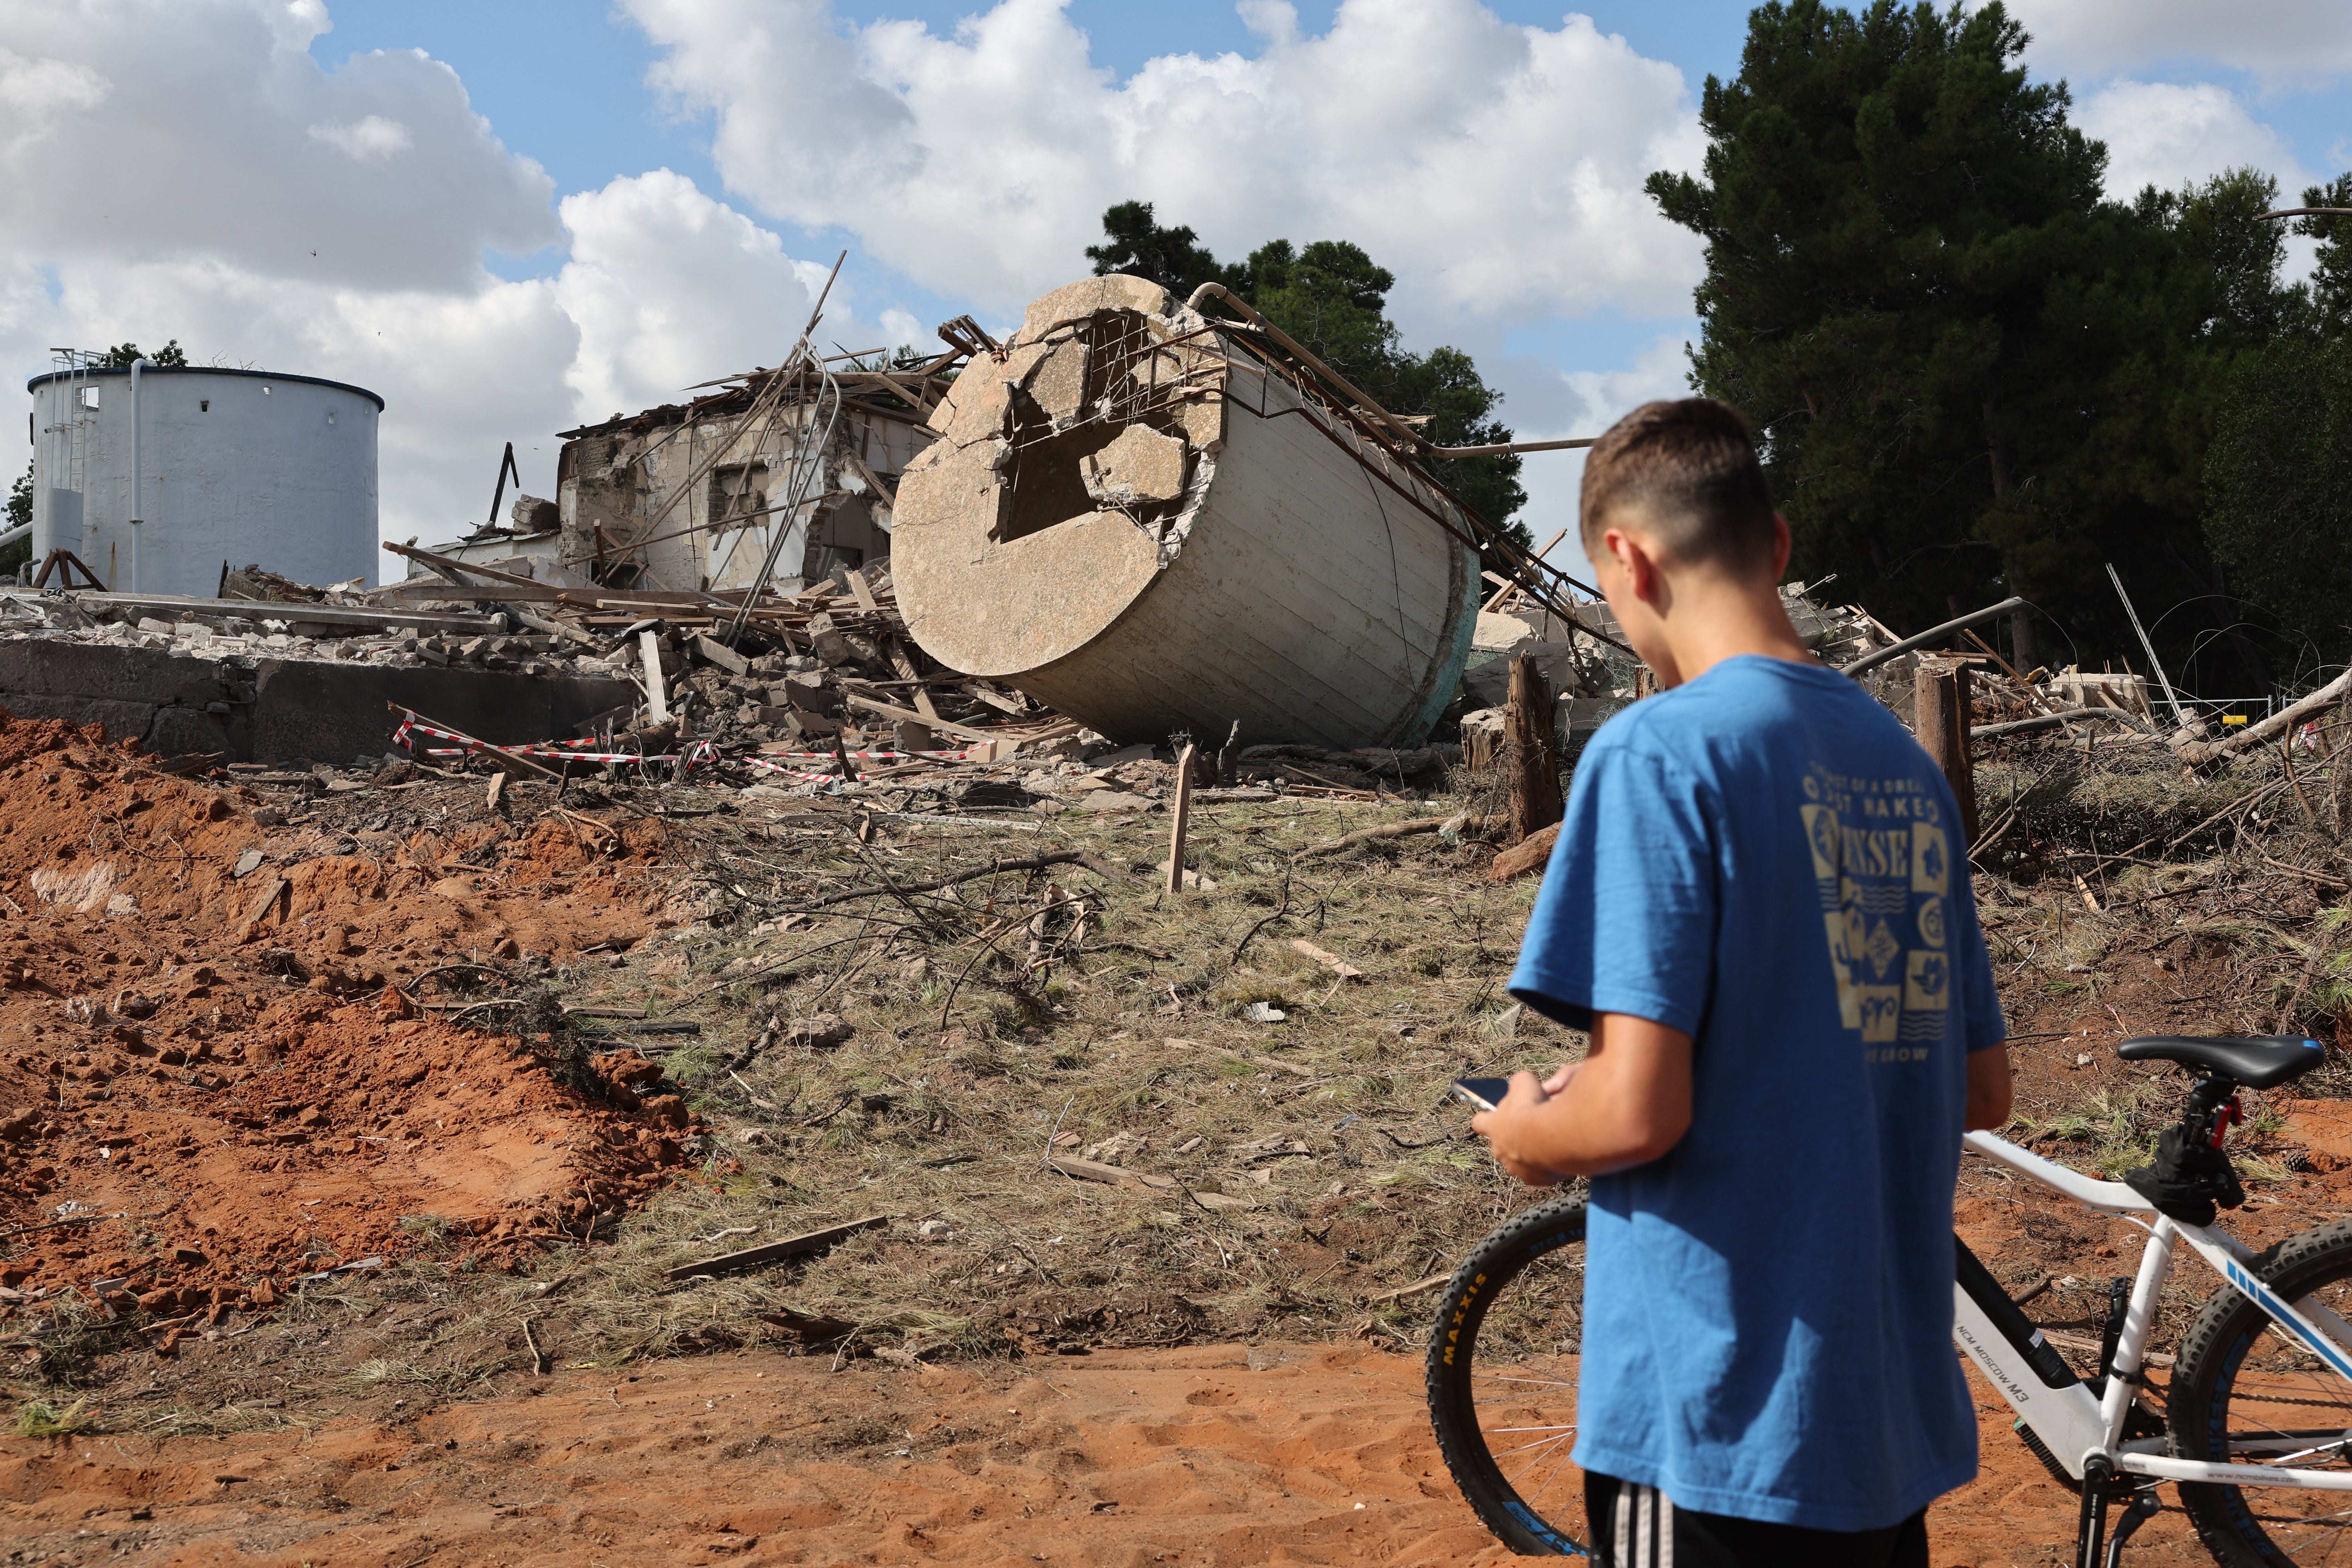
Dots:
(237, 466)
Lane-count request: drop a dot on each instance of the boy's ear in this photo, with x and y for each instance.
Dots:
(1636, 556)
(1783, 546)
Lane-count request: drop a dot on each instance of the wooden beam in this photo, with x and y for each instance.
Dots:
(908, 716)
(776, 1251)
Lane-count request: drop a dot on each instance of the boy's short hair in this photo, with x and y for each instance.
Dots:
(1689, 466)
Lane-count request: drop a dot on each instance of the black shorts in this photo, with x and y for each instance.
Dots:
(1638, 1527)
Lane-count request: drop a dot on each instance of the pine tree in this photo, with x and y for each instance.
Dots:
(1973, 375)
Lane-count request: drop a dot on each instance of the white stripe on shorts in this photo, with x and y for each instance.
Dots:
(1645, 1528)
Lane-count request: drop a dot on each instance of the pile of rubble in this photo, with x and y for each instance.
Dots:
(1591, 674)
(289, 630)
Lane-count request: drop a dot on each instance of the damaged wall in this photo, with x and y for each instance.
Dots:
(626, 523)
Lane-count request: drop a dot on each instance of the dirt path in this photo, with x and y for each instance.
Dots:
(1207, 1456)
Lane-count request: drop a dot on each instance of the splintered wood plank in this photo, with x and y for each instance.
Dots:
(776, 1251)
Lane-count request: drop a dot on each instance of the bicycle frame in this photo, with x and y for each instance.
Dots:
(2079, 1427)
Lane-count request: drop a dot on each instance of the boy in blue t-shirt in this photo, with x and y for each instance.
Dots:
(1759, 906)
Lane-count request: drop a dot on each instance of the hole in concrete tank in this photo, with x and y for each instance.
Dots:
(1048, 480)
(1122, 384)
(203, 405)
(331, 416)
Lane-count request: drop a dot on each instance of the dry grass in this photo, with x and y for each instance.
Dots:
(1307, 1165)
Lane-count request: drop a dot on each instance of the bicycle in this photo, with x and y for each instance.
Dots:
(2254, 1425)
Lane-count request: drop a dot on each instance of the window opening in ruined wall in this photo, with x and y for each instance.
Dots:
(739, 494)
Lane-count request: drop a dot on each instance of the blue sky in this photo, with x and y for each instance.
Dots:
(567, 85)
(561, 85)
(461, 205)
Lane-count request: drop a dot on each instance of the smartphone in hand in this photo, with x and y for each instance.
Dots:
(1484, 1092)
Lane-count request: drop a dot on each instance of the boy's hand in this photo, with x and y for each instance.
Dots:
(1626, 1103)
(1507, 1127)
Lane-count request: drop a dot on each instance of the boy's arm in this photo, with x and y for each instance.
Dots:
(1626, 1103)
(1987, 1105)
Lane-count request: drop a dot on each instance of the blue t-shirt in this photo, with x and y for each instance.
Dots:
(1766, 860)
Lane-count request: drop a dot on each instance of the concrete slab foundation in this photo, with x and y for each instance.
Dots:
(273, 710)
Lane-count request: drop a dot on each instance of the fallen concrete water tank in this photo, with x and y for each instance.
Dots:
(1142, 519)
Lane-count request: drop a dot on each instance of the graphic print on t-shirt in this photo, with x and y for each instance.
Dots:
(1883, 866)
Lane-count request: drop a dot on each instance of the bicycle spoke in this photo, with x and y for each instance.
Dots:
(1557, 1465)
(1538, 1458)
(2298, 1550)
(1561, 1434)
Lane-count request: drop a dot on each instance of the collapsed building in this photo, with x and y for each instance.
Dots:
(1131, 521)
(1152, 524)
(777, 475)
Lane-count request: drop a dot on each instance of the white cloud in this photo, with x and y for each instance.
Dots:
(374, 136)
(2303, 39)
(173, 166)
(37, 91)
(205, 128)
(670, 287)
(2167, 134)
(384, 168)
(1496, 168)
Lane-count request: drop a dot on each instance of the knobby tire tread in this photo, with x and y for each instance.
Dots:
(2223, 1331)
(1481, 1279)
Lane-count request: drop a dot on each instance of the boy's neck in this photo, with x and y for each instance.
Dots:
(1709, 618)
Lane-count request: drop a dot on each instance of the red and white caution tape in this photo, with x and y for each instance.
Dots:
(565, 751)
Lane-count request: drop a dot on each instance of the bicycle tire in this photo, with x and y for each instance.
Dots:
(1530, 1272)
(2238, 1378)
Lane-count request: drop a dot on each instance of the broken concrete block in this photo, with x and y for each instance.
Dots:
(720, 653)
(958, 491)
(1140, 465)
(533, 516)
(980, 406)
(1058, 383)
(1113, 291)
(982, 409)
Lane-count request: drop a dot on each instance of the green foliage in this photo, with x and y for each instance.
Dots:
(1333, 298)
(2280, 477)
(1172, 258)
(1974, 376)
(2331, 278)
(169, 357)
(18, 551)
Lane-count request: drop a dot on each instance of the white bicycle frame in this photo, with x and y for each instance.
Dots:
(2078, 1427)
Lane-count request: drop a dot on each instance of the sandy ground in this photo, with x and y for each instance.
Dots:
(1203, 1457)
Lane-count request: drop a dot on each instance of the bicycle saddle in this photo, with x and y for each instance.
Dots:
(2258, 1061)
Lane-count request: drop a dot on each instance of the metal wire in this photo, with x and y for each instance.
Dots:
(806, 464)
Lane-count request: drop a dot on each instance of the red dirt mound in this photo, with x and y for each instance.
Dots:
(221, 1069)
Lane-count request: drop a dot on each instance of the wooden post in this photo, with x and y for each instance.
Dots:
(1941, 723)
(1531, 751)
(1183, 814)
(657, 695)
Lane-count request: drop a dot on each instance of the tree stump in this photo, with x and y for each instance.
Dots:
(1941, 722)
(1531, 751)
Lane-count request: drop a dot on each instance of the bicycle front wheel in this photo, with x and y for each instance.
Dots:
(2247, 1392)
(1502, 1379)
